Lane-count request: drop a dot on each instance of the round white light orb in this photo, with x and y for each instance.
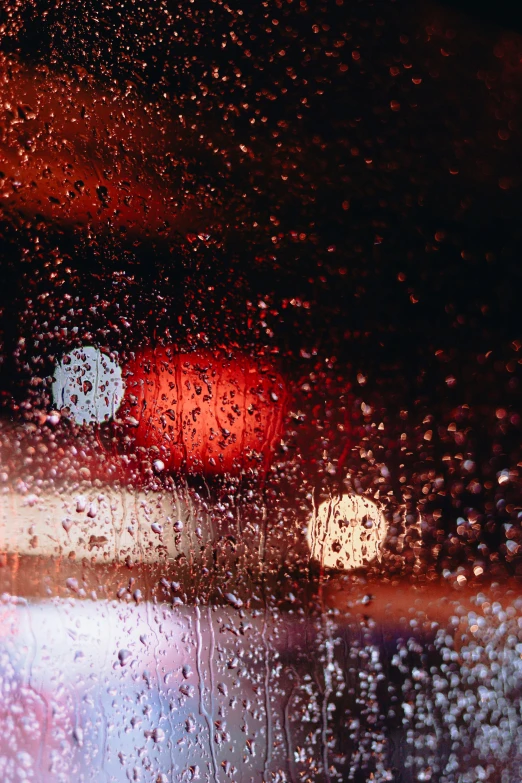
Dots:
(89, 383)
(347, 532)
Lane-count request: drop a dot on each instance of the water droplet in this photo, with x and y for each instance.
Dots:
(124, 657)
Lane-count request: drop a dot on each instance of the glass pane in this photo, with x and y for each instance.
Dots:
(260, 509)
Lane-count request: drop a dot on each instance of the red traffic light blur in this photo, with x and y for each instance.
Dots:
(203, 412)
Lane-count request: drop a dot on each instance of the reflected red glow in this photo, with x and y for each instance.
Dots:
(91, 159)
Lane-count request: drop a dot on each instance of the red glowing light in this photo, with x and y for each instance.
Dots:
(203, 412)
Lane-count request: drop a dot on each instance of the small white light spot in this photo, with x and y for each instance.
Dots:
(89, 383)
(347, 532)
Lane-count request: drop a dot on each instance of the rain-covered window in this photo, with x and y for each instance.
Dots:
(260, 359)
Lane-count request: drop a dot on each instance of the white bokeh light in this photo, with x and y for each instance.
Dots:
(89, 383)
(346, 532)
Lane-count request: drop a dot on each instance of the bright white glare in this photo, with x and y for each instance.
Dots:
(346, 532)
(89, 383)
(103, 526)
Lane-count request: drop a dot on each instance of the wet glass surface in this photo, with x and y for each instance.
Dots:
(260, 510)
